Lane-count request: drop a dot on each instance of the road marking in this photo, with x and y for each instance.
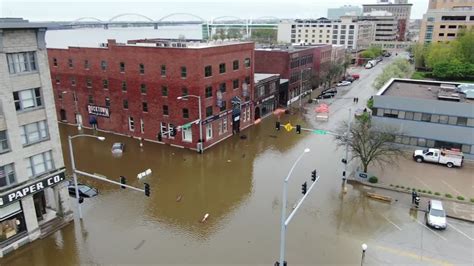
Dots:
(461, 232)
(413, 255)
(423, 183)
(388, 220)
(424, 225)
(459, 193)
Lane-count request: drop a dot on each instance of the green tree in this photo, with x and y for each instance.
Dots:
(438, 53)
(400, 68)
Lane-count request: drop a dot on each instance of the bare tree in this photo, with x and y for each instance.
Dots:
(369, 144)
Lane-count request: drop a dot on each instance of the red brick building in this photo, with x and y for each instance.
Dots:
(133, 89)
(296, 63)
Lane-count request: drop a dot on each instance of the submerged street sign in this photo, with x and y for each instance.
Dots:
(288, 127)
(320, 132)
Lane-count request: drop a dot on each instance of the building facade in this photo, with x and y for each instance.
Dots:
(343, 31)
(150, 89)
(386, 25)
(426, 114)
(401, 10)
(346, 10)
(33, 195)
(266, 94)
(443, 20)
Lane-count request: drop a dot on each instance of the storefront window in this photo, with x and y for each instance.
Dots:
(12, 221)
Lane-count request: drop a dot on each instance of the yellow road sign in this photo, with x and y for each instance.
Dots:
(288, 127)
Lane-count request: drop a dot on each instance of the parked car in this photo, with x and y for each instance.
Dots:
(379, 59)
(349, 78)
(343, 83)
(84, 190)
(356, 76)
(327, 95)
(435, 215)
(118, 148)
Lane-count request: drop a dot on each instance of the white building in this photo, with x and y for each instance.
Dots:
(344, 31)
(33, 198)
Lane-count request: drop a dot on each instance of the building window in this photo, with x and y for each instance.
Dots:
(434, 118)
(105, 84)
(425, 117)
(88, 82)
(86, 64)
(466, 148)
(142, 126)
(221, 68)
(247, 62)
(58, 80)
(122, 67)
(443, 119)
(164, 129)
(462, 121)
(91, 99)
(184, 92)
(55, 62)
(22, 62)
(164, 91)
(235, 65)
(163, 70)
(142, 69)
(235, 84)
(40, 164)
(207, 71)
(223, 106)
(70, 63)
(145, 107)
(187, 134)
(103, 65)
(222, 87)
(185, 113)
(34, 132)
(142, 88)
(4, 147)
(7, 175)
(208, 111)
(452, 120)
(73, 81)
(27, 99)
(209, 131)
(222, 126)
(165, 110)
(131, 124)
(184, 72)
(124, 86)
(208, 92)
(125, 104)
(107, 102)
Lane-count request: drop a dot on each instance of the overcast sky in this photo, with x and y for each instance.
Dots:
(38, 10)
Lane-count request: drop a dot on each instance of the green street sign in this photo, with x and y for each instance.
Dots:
(186, 126)
(320, 132)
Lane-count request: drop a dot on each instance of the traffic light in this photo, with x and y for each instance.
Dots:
(313, 175)
(123, 181)
(304, 188)
(159, 137)
(277, 125)
(173, 131)
(147, 189)
(344, 161)
(298, 129)
(81, 200)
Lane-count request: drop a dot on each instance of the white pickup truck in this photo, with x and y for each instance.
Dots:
(448, 157)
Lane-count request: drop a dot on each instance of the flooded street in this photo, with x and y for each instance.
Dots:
(239, 183)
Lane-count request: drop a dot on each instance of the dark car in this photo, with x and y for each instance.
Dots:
(84, 190)
(327, 95)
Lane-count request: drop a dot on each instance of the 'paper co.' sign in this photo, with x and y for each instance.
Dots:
(31, 189)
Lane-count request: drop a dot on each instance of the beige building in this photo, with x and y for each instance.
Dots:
(33, 197)
(444, 19)
(401, 10)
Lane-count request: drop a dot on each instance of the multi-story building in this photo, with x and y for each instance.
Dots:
(32, 194)
(426, 114)
(152, 88)
(401, 10)
(266, 94)
(346, 10)
(298, 64)
(344, 31)
(386, 29)
(444, 19)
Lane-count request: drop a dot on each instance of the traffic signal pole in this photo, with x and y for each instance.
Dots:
(288, 220)
(107, 180)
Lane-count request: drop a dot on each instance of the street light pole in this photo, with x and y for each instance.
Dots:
(364, 248)
(347, 151)
(201, 147)
(73, 166)
(283, 208)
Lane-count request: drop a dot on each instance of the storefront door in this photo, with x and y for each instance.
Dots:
(40, 205)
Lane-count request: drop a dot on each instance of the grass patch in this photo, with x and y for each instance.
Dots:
(421, 75)
(447, 195)
(437, 194)
(460, 197)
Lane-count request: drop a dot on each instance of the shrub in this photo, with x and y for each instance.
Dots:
(373, 179)
(424, 191)
(447, 195)
(397, 186)
(460, 198)
(402, 187)
(429, 192)
(391, 185)
(419, 190)
(408, 188)
(437, 193)
(472, 200)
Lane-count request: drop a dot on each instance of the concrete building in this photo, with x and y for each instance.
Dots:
(344, 31)
(401, 10)
(426, 114)
(33, 196)
(444, 19)
(298, 64)
(386, 25)
(133, 89)
(266, 94)
(346, 10)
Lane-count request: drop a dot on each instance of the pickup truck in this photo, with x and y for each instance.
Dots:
(442, 156)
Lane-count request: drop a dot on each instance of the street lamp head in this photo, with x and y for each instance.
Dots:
(307, 150)
(364, 247)
(101, 138)
(179, 97)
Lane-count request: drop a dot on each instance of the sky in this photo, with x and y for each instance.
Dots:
(52, 10)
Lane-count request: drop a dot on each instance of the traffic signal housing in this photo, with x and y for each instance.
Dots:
(159, 137)
(173, 132)
(344, 161)
(277, 125)
(304, 188)
(313, 175)
(298, 129)
(123, 181)
(147, 189)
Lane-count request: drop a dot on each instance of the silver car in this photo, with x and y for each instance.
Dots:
(436, 216)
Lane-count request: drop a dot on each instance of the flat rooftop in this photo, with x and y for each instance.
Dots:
(19, 23)
(261, 76)
(288, 48)
(177, 43)
(422, 89)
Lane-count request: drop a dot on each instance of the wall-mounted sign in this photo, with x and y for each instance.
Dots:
(98, 110)
(31, 188)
